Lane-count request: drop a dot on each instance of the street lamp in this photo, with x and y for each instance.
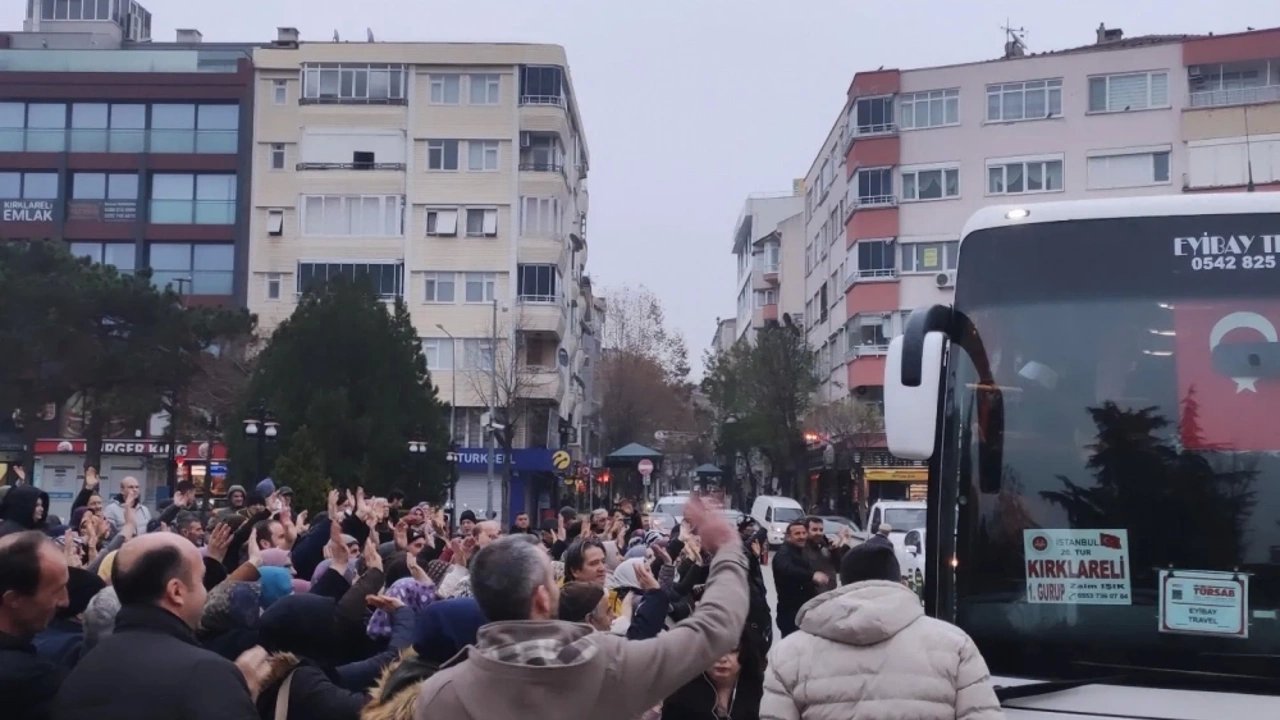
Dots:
(418, 450)
(261, 426)
(453, 377)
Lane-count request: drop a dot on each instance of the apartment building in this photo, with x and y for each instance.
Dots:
(129, 149)
(135, 153)
(453, 176)
(922, 149)
(825, 264)
(767, 243)
(725, 336)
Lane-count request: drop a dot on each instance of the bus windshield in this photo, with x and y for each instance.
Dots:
(1133, 516)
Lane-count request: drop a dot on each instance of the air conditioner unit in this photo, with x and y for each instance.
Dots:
(945, 279)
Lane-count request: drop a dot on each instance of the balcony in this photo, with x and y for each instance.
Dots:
(542, 314)
(541, 166)
(193, 212)
(557, 100)
(119, 141)
(876, 274)
(875, 201)
(350, 166)
(1235, 96)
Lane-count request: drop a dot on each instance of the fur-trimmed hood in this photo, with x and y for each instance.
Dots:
(394, 694)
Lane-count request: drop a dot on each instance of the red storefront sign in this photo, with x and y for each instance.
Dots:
(189, 451)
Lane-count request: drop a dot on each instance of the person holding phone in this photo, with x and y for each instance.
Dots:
(130, 496)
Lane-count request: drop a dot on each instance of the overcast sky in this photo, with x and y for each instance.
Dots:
(689, 105)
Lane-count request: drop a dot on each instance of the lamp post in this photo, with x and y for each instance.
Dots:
(418, 450)
(261, 425)
(453, 378)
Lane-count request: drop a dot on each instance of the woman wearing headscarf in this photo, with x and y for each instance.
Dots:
(731, 689)
(312, 675)
(229, 625)
(630, 584)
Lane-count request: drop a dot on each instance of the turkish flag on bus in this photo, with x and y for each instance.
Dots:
(1228, 364)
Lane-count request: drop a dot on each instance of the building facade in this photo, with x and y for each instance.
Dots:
(135, 153)
(766, 244)
(921, 150)
(452, 176)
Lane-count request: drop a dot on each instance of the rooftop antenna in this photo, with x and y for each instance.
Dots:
(369, 31)
(335, 36)
(1015, 44)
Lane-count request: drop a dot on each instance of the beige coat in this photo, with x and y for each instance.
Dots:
(867, 651)
(554, 669)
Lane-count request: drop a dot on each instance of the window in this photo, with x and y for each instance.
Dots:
(1133, 91)
(193, 268)
(485, 89)
(824, 303)
(483, 155)
(198, 199)
(876, 259)
(353, 83)
(934, 108)
(275, 222)
(541, 152)
(1030, 100)
(386, 278)
(930, 257)
(482, 222)
(280, 92)
(766, 297)
(277, 156)
(772, 257)
(118, 255)
(1024, 176)
(477, 354)
(99, 127)
(440, 287)
(348, 215)
(934, 184)
(1254, 81)
(438, 352)
(442, 154)
(29, 186)
(442, 222)
(874, 186)
(273, 286)
(184, 128)
(538, 283)
(480, 287)
(874, 115)
(868, 334)
(77, 10)
(540, 217)
(104, 186)
(445, 89)
(1128, 170)
(541, 85)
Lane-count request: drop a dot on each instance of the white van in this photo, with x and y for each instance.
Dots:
(774, 513)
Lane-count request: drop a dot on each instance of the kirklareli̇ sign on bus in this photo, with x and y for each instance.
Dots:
(1081, 567)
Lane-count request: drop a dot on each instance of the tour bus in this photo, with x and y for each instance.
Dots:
(1100, 411)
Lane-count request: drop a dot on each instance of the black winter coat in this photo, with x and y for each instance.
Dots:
(28, 685)
(151, 668)
(793, 578)
(697, 700)
(313, 693)
(18, 507)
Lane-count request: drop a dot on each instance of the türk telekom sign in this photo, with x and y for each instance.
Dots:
(201, 450)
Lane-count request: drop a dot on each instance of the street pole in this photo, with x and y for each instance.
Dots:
(453, 380)
(493, 403)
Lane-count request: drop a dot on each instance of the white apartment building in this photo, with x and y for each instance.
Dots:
(452, 175)
(923, 149)
(825, 264)
(767, 244)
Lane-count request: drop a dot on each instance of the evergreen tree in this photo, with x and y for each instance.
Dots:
(301, 467)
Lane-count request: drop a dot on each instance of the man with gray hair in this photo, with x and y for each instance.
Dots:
(526, 663)
(100, 617)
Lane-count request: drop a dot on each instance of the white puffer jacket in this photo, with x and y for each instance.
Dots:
(867, 650)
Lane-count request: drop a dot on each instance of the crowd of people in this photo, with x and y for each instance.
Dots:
(373, 609)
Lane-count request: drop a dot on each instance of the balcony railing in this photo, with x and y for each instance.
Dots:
(541, 100)
(118, 140)
(350, 166)
(526, 166)
(872, 274)
(530, 299)
(875, 129)
(864, 201)
(1235, 96)
(193, 212)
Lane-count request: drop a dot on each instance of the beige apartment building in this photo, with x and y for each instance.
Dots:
(766, 243)
(452, 175)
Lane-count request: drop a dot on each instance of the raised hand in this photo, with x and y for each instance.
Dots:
(712, 527)
(383, 602)
(219, 542)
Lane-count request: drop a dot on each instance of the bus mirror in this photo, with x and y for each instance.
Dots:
(911, 410)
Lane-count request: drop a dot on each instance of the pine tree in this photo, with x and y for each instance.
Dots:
(301, 467)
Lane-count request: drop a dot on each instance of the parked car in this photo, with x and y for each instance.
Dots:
(832, 525)
(672, 505)
(662, 523)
